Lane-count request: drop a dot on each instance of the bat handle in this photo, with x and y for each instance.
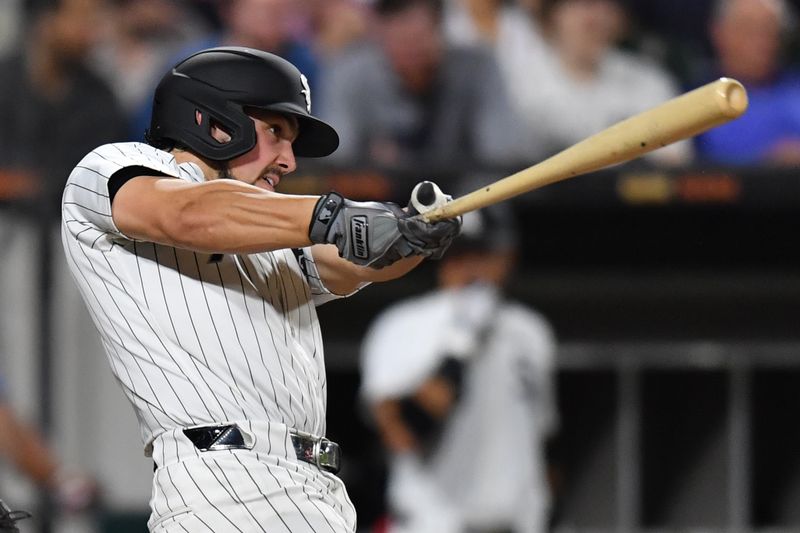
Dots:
(427, 196)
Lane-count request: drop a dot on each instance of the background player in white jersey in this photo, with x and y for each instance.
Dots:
(464, 403)
(204, 291)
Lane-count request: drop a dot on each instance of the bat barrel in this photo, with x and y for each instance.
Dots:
(679, 118)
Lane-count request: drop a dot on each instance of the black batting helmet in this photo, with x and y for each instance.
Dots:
(489, 230)
(220, 83)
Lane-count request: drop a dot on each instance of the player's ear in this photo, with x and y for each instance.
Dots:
(217, 131)
(219, 134)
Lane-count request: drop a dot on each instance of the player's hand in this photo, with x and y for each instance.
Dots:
(430, 239)
(475, 308)
(366, 233)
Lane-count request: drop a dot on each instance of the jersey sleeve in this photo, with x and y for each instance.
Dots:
(401, 349)
(86, 204)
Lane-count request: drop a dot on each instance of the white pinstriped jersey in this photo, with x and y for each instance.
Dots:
(191, 339)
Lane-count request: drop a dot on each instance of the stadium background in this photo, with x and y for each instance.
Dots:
(674, 293)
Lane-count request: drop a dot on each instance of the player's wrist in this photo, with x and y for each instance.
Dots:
(324, 217)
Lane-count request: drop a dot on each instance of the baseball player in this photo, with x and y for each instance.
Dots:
(465, 404)
(203, 282)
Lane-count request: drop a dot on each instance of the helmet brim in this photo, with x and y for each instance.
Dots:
(316, 138)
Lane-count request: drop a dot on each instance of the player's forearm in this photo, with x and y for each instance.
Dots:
(222, 216)
(25, 449)
(246, 222)
(34, 459)
(393, 271)
(359, 274)
(343, 277)
(396, 436)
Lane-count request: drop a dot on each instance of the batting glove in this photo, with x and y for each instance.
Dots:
(366, 233)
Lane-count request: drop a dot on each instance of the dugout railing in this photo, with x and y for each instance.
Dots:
(691, 436)
(656, 437)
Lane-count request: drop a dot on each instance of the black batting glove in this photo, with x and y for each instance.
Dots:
(429, 239)
(366, 233)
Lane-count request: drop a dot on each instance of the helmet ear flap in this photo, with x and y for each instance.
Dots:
(189, 111)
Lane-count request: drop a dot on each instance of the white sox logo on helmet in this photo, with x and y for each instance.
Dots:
(306, 91)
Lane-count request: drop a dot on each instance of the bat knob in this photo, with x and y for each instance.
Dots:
(426, 196)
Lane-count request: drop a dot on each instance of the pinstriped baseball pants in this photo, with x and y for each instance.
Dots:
(266, 489)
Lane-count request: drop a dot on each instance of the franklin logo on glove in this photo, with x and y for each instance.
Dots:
(359, 226)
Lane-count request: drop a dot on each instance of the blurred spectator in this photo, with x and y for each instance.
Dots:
(510, 30)
(9, 24)
(72, 489)
(137, 36)
(406, 100)
(491, 22)
(267, 25)
(747, 36)
(585, 82)
(334, 25)
(474, 22)
(261, 24)
(459, 382)
(53, 108)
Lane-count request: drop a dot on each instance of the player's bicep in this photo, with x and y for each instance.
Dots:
(141, 206)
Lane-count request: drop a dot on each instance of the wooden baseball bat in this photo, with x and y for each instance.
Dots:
(679, 118)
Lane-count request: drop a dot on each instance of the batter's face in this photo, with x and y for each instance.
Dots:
(272, 157)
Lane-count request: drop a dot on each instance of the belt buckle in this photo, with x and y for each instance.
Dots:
(321, 452)
(328, 455)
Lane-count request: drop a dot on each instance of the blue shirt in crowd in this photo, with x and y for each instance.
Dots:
(773, 116)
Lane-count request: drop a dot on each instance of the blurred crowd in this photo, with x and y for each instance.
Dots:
(459, 87)
(443, 89)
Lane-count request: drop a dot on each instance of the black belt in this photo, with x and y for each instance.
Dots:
(317, 451)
